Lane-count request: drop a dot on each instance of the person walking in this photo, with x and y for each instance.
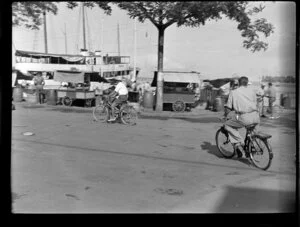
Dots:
(242, 103)
(271, 94)
(260, 100)
(39, 83)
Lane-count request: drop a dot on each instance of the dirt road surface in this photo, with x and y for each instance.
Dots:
(167, 163)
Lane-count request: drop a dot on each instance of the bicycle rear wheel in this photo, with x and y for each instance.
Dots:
(129, 116)
(100, 113)
(260, 153)
(224, 145)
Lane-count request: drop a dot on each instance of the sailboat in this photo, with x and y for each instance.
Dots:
(96, 65)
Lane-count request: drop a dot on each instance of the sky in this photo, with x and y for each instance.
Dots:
(215, 50)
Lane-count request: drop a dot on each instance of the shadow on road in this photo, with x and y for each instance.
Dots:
(213, 149)
(86, 149)
(188, 119)
(255, 200)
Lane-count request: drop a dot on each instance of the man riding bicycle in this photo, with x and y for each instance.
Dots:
(241, 104)
(120, 94)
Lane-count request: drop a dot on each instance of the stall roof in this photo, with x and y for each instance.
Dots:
(217, 83)
(178, 77)
(69, 76)
(31, 53)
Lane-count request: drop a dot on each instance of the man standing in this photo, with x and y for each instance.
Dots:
(243, 102)
(260, 100)
(271, 94)
(121, 94)
(39, 83)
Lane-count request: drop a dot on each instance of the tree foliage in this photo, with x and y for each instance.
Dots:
(164, 14)
(29, 14)
(196, 14)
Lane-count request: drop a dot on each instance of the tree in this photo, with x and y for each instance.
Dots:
(195, 14)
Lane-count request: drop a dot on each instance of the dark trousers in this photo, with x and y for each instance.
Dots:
(117, 101)
(40, 95)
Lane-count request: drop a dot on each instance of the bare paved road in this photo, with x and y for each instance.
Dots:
(72, 164)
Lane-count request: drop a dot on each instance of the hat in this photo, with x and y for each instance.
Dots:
(262, 84)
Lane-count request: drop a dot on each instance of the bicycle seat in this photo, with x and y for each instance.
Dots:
(251, 126)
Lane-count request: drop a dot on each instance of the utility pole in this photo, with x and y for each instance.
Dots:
(45, 33)
(83, 26)
(118, 40)
(134, 55)
(65, 33)
(102, 32)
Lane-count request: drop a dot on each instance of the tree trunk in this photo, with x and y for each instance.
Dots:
(159, 85)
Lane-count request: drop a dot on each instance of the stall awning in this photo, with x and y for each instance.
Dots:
(69, 76)
(178, 77)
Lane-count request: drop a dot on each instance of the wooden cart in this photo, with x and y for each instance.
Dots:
(180, 98)
(179, 89)
(68, 96)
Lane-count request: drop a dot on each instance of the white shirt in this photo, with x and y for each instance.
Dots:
(242, 99)
(121, 89)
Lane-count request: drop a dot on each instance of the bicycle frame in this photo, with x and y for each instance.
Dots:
(249, 137)
(108, 103)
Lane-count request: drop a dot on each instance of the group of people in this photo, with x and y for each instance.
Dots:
(270, 94)
(243, 107)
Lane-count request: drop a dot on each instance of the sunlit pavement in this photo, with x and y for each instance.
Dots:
(162, 164)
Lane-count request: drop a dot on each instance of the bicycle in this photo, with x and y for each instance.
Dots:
(255, 145)
(126, 113)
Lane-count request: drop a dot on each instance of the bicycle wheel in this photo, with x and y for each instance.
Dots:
(129, 116)
(260, 153)
(100, 113)
(224, 145)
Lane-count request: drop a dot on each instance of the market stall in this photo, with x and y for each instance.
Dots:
(179, 89)
(77, 87)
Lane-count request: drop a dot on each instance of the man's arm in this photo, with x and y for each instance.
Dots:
(228, 107)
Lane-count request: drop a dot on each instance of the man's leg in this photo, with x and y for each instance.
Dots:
(271, 106)
(113, 105)
(232, 126)
(235, 138)
(263, 109)
(38, 94)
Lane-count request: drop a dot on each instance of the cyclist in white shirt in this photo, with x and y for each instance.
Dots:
(243, 102)
(121, 94)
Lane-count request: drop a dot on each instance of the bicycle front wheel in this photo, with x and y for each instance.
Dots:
(260, 153)
(224, 145)
(100, 113)
(129, 116)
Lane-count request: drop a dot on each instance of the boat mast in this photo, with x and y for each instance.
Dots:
(134, 55)
(83, 26)
(65, 33)
(118, 40)
(45, 33)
